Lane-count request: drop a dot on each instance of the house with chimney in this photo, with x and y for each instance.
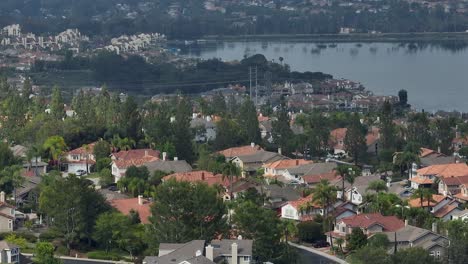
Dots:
(296, 174)
(251, 163)
(277, 168)
(80, 159)
(140, 205)
(369, 223)
(411, 236)
(168, 166)
(230, 153)
(425, 177)
(7, 215)
(127, 158)
(199, 252)
(337, 138)
(442, 207)
(9, 253)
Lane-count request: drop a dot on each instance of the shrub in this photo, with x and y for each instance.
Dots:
(30, 237)
(310, 231)
(103, 255)
(49, 235)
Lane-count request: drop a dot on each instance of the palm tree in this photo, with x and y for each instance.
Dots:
(230, 170)
(347, 173)
(340, 242)
(325, 195)
(422, 193)
(55, 145)
(377, 186)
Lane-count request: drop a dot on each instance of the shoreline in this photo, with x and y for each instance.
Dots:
(353, 37)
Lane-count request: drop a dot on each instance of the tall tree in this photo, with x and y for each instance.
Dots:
(355, 139)
(181, 130)
(281, 130)
(76, 213)
(419, 130)
(57, 108)
(55, 146)
(387, 127)
(403, 97)
(195, 211)
(227, 134)
(248, 121)
(131, 119)
(325, 195)
(444, 135)
(102, 149)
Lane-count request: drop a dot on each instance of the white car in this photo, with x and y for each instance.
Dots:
(80, 172)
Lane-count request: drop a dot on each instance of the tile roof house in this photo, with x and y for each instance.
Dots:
(355, 193)
(463, 195)
(200, 176)
(80, 158)
(139, 204)
(440, 206)
(252, 162)
(278, 167)
(369, 223)
(240, 151)
(168, 166)
(230, 251)
(302, 209)
(411, 236)
(459, 142)
(296, 174)
(276, 196)
(425, 177)
(134, 157)
(31, 181)
(35, 163)
(452, 185)
(313, 179)
(337, 138)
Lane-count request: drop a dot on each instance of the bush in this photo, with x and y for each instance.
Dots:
(3, 235)
(30, 237)
(310, 231)
(50, 235)
(62, 250)
(103, 255)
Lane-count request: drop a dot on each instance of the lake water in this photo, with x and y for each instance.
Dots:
(435, 76)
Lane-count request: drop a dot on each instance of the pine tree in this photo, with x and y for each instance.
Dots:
(182, 132)
(387, 127)
(249, 122)
(57, 109)
(355, 139)
(281, 131)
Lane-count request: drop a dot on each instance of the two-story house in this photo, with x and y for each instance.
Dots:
(127, 158)
(204, 127)
(9, 253)
(250, 164)
(440, 206)
(302, 209)
(463, 195)
(299, 174)
(7, 215)
(230, 153)
(278, 168)
(355, 192)
(451, 186)
(337, 138)
(368, 223)
(230, 251)
(425, 177)
(80, 159)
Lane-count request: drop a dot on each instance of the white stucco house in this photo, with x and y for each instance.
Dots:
(81, 158)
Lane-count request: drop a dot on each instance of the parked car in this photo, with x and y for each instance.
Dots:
(321, 244)
(80, 172)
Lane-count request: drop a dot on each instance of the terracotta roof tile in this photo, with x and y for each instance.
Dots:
(444, 210)
(240, 151)
(126, 205)
(460, 180)
(135, 157)
(445, 170)
(304, 201)
(311, 179)
(421, 180)
(286, 163)
(200, 176)
(416, 202)
(82, 150)
(388, 223)
(425, 152)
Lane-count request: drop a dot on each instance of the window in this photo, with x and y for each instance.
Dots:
(246, 258)
(343, 229)
(432, 253)
(10, 224)
(438, 254)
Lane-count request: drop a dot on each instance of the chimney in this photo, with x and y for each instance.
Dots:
(297, 162)
(164, 156)
(279, 151)
(438, 149)
(146, 153)
(406, 222)
(203, 176)
(209, 252)
(140, 199)
(176, 158)
(252, 145)
(2, 196)
(234, 253)
(434, 227)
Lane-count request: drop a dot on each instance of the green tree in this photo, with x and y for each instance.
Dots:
(370, 255)
(355, 139)
(195, 210)
(182, 132)
(419, 130)
(105, 177)
(80, 205)
(356, 240)
(281, 131)
(265, 231)
(57, 108)
(377, 186)
(231, 171)
(249, 122)
(403, 97)
(458, 234)
(310, 231)
(6, 156)
(227, 134)
(55, 146)
(219, 104)
(102, 149)
(130, 119)
(44, 254)
(325, 195)
(387, 127)
(110, 229)
(414, 255)
(27, 88)
(444, 135)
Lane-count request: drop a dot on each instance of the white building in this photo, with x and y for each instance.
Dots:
(9, 253)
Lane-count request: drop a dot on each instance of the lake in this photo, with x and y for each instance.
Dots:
(435, 75)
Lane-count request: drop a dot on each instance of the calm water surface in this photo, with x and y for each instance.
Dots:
(436, 77)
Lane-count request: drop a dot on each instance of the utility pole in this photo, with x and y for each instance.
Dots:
(250, 78)
(256, 86)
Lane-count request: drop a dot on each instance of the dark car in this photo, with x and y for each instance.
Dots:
(321, 244)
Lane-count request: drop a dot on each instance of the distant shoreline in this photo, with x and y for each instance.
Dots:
(354, 37)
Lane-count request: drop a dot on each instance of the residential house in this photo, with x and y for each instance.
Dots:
(7, 215)
(462, 215)
(81, 158)
(462, 196)
(400, 188)
(205, 128)
(265, 130)
(451, 186)
(440, 206)
(134, 157)
(9, 253)
(355, 193)
(411, 236)
(180, 253)
(277, 168)
(276, 196)
(296, 174)
(337, 138)
(35, 163)
(369, 223)
(429, 157)
(343, 210)
(230, 251)
(313, 179)
(250, 164)
(459, 142)
(230, 153)
(425, 177)
(168, 166)
(302, 209)
(23, 192)
(139, 205)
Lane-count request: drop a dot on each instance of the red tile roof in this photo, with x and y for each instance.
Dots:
(445, 170)
(311, 179)
(286, 163)
(416, 202)
(240, 151)
(304, 201)
(444, 210)
(338, 135)
(388, 223)
(126, 205)
(426, 152)
(135, 157)
(82, 150)
(200, 176)
(421, 180)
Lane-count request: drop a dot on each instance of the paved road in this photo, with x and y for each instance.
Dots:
(313, 256)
